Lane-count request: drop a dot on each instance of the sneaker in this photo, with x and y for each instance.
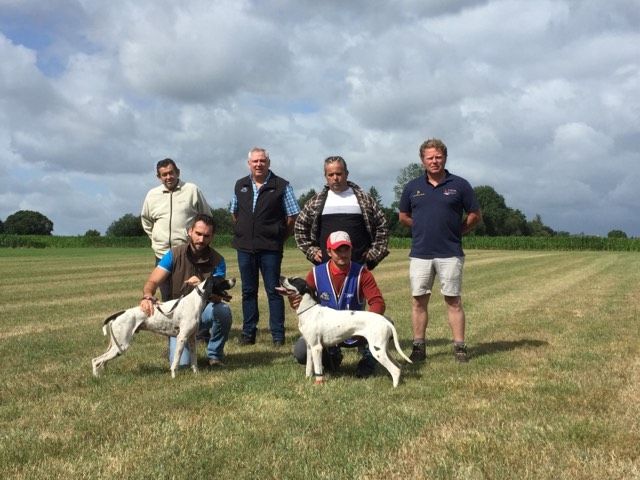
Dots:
(214, 362)
(331, 358)
(366, 367)
(244, 340)
(419, 352)
(460, 353)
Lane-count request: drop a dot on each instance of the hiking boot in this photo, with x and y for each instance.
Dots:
(331, 358)
(244, 340)
(366, 367)
(214, 362)
(460, 353)
(419, 352)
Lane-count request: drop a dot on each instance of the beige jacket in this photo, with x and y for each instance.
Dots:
(166, 215)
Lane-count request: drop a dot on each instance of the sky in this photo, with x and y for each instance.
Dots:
(538, 99)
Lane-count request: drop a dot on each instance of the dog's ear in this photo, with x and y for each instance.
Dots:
(300, 284)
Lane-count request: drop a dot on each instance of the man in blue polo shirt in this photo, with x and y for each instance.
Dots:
(432, 206)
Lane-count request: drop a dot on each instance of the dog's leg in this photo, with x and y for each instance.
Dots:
(120, 333)
(380, 354)
(316, 355)
(309, 370)
(177, 354)
(378, 347)
(98, 363)
(192, 350)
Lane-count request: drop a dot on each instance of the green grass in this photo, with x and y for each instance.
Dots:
(552, 389)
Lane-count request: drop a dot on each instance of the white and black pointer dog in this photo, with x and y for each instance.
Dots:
(323, 326)
(175, 318)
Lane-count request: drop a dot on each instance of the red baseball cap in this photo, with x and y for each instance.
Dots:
(337, 239)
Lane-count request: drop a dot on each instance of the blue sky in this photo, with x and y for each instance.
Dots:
(540, 100)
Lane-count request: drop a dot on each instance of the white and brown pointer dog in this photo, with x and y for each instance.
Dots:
(323, 326)
(175, 318)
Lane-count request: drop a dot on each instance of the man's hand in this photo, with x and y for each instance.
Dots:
(294, 300)
(146, 305)
(193, 281)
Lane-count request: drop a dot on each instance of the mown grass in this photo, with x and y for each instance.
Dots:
(552, 390)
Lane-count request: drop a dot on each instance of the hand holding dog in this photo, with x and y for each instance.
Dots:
(294, 300)
(146, 305)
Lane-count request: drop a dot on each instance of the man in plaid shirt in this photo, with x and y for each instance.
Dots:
(342, 205)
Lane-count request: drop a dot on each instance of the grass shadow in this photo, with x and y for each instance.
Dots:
(490, 348)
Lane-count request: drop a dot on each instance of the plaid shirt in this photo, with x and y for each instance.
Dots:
(307, 227)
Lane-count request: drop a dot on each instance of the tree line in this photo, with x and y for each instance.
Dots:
(498, 219)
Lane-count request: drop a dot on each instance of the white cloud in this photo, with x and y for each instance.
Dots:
(538, 99)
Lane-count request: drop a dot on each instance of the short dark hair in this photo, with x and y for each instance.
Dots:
(333, 159)
(433, 143)
(165, 163)
(204, 218)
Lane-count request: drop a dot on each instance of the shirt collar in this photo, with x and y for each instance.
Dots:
(265, 180)
(335, 270)
(178, 187)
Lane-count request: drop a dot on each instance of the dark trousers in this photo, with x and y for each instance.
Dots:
(251, 265)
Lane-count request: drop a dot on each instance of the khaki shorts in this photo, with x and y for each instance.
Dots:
(422, 274)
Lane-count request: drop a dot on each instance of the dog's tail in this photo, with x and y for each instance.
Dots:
(396, 342)
(108, 320)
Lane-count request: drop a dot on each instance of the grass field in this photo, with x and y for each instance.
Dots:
(552, 390)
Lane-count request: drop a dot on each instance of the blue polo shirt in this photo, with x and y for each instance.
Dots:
(437, 215)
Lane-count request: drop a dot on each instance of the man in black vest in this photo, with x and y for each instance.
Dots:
(264, 210)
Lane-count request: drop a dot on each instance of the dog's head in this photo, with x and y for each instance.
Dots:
(212, 286)
(220, 285)
(292, 286)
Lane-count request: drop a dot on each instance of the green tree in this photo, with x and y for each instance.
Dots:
(617, 234)
(539, 229)
(396, 229)
(92, 233)
(497, 217)
(1, 226)
(304, 198)
(28, 222)
(126, 226)
(408, 173)
(373, 191)
(222, 220)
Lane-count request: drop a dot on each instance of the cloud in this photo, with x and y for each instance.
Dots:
(538, 99)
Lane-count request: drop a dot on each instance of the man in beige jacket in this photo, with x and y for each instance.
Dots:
(168, 210)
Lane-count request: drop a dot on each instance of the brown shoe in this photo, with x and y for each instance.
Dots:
(419, 353)
(214, 362)
(244, 340)
(460, 353)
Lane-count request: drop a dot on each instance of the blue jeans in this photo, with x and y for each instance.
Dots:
(216, 320)
(215, 323)
(250, 265)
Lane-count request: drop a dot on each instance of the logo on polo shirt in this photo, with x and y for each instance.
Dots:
(324, 296)
(418, 194)
(450, 191)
